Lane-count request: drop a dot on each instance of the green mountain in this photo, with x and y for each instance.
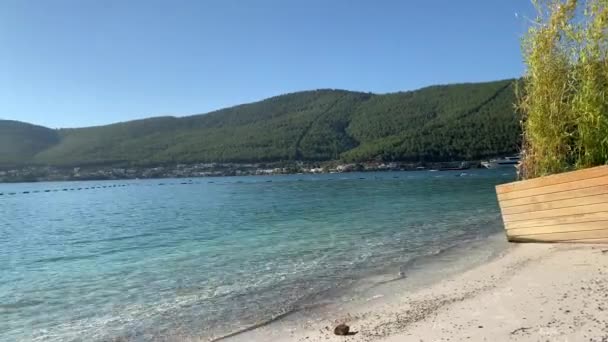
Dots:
(438, 123)
(20, 142)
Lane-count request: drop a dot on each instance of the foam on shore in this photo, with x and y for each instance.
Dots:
(529, 292)
(376, 289)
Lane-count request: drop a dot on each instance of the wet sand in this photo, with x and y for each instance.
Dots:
(531, 292)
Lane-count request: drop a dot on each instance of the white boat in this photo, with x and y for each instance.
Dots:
(503, 162)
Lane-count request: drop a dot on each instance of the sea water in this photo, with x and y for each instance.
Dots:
(147, 259)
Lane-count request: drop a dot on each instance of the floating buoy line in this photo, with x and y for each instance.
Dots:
(96, 187)
(112, 186)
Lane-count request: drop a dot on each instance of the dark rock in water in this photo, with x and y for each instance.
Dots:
(341, 330)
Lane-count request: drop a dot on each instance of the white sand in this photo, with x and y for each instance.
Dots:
(534, 292)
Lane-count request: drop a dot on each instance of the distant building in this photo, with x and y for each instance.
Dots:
(345, 167)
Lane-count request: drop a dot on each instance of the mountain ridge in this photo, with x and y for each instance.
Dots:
(313, 125)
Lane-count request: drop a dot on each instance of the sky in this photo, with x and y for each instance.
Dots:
(74, 63)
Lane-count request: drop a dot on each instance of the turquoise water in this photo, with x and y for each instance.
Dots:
(147, 259)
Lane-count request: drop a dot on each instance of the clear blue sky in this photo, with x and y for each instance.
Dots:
(70, 63)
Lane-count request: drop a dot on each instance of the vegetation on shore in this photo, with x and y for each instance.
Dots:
(564, 95)
(438, 123)
(20, 142)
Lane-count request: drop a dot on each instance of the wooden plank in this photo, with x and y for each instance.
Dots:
(557, 237)
(552, 221)
(549, 189)
(569, 207)
(562, 195)
(600, 240)
(592, 208)
(571, 202)
(559, 228)
(584, 241)
(565, 177)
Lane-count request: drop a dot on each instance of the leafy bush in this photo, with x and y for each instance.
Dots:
(564, 95)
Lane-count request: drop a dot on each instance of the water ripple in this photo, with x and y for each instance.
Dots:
(149, 259)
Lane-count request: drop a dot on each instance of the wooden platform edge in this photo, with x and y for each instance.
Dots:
(559, 178)
(564, 208)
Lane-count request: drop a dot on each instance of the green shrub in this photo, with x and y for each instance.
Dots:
(564, 94)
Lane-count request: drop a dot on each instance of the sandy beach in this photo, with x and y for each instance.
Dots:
(531, 292)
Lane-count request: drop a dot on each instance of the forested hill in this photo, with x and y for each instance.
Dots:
(438, 123)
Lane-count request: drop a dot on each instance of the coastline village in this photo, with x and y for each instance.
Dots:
(50, 173)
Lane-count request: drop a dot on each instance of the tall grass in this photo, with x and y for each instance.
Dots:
(563, 98)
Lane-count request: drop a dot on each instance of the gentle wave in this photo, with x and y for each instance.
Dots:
(20, 304)
(119, 238)
(214, 260)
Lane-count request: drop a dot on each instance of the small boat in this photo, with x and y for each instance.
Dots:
(566, 207)
(503, 162)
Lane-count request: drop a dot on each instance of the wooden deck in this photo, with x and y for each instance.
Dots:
(567, 207)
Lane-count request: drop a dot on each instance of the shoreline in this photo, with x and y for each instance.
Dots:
(31, 174)
(415, 274)
(381, 285)
(529, 292)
